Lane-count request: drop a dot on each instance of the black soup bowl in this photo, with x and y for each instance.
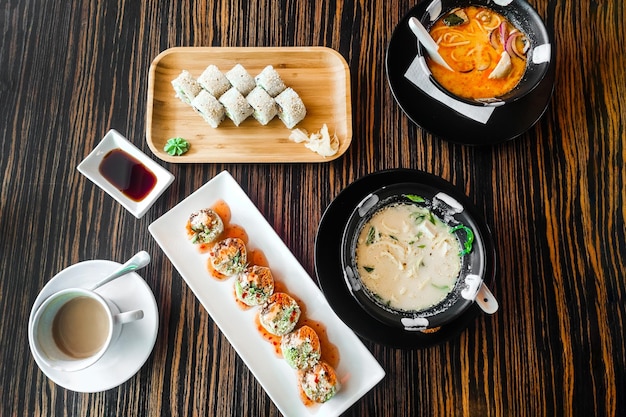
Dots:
(524, 17)
(454, 210)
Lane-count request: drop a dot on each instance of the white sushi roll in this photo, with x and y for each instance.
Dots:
(209, 108)
(241, 79)
(270, 81)
(186, 87)
(236, 106)
(214, 81)
(263, 104)
(291, 109)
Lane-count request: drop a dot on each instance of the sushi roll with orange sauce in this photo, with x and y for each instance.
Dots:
(279, 314)
(205, 226)
(254, 285)
(319, 382)
(301, 348)
(228, 256)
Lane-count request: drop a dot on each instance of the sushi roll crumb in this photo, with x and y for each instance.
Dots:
(186, 87)
(241, 79)
(319, 382)
(279, 314)
(214, 81)
(254, 285)
(270, 81)
(263, 105)
(291, 109)
(236, 106)
(209, 108)
(301, 348)
(205, 226)
(229, 256)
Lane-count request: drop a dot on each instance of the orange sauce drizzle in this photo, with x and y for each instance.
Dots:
(223, 210)
(257, 257)
(215, 274)
(272, 339)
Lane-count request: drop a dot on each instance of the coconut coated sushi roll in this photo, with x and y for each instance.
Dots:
(237, 107)
(228, 256)
(263, 105)
(301, 348)
(209, 108)
(186, 87)
(254, 285)
(291, 109)
(279, 314)
(214, 81)
(241, 79)
(319, 382)
(270, 81)
(206, 225)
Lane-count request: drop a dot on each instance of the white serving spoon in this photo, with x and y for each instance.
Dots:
(429, 43)
(478, 292)
(138, 261)
(486, 300)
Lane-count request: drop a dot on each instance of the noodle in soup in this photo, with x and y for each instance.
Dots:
(486, 52)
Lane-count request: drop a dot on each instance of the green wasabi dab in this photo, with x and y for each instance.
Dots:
(176, 146)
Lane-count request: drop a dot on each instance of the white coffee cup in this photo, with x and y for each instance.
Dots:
(74, 328)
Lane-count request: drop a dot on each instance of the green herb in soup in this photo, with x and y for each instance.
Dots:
(414, 260)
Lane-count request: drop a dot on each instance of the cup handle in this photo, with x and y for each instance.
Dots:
(128, 316)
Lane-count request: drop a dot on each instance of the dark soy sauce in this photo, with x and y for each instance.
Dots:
(127, 174)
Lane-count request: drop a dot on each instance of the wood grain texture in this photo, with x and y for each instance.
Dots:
(320, 76)
(555, 199)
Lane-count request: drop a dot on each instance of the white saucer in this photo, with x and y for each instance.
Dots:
(136, 341)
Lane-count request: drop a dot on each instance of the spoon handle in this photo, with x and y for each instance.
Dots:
(138, 261)
(429, 43)
(486, 300)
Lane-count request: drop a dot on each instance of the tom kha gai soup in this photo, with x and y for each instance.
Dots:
(485, 50)
(407, 257)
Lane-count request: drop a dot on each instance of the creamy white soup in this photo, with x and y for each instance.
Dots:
(407, 257)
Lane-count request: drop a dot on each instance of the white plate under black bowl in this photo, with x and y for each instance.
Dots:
(328, 265)
(507, 122)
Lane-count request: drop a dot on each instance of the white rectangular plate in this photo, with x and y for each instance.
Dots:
(357, 370)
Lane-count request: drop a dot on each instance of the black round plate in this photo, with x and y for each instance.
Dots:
(328, 265)
(507, 121)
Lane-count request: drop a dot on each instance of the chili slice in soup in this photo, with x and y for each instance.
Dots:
(486, 52)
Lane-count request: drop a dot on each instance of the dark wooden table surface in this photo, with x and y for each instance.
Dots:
(555, 198)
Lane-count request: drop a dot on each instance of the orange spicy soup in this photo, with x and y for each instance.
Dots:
(486, 52)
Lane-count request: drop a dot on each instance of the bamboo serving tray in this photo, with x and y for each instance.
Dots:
(319, 75)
